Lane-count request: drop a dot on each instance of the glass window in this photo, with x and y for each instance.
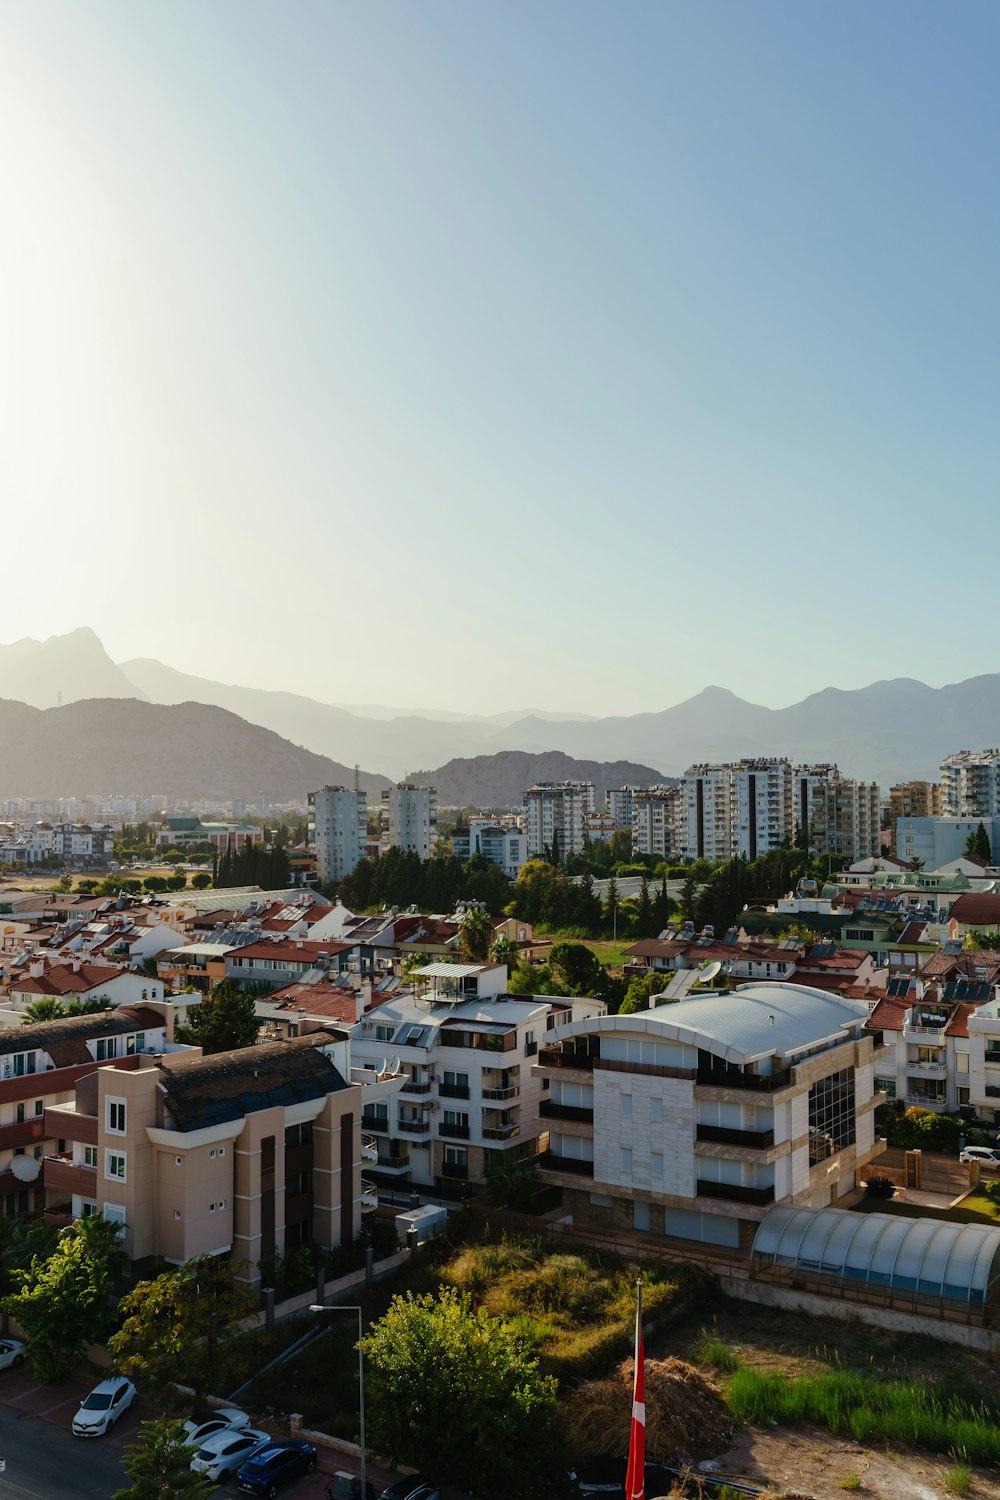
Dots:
(656, 1111)
(116, 1116)
(626, 1106)
(39, 1106)
(90, 1156)
(832, 1118)
(626, 1161)
(114, 1165)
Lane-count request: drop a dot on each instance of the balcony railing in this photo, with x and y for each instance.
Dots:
(455, 1132)
(417, 1086)
(453, 1090)
(455, 1169)
(64, 1175)
(415, 1127)
(552, 1111)
(500, 1132)
(369, 1149)
(756, 1140)
(549, 1161)
(552, 1057)
(378, 1124)
(393, 1162)
(760, 1083)
(511, 1092)
(735, 1192)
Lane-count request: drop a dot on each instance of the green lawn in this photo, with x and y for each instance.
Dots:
(974, 1209)
(610, 954)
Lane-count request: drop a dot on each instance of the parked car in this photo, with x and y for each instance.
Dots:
(413, 1488)
(11, 1354)
(222, 1452)
(101, 1409)
(274, 1465)
(604, 1479)
(201, 1424)
(989, 1156)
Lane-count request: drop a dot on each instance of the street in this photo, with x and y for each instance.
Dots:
(45, 1461)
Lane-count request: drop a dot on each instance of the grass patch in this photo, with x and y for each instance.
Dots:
(850, 1481)
(867, 1409)
(714, 1353)
(975, 1209)
(957, 1480)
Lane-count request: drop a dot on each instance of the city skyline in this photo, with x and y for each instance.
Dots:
(575, 337)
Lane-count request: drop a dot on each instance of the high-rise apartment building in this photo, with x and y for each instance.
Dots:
(970, 784)
(554, 813)
(659, 822)
(846, 823)
(740, 809)
(340, 818)
(409, 818)
(619, 801)
(809, 783)
(914, 799)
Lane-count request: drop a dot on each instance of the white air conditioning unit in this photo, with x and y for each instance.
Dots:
(433, 1106)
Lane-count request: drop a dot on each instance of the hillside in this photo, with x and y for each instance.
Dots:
(188, 750)
(60, 670)
(501, 780)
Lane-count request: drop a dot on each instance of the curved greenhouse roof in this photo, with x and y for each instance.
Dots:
(929, 1258)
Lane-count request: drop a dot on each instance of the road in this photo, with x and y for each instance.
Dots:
(44, 1461)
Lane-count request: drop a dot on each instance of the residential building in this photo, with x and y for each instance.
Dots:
(740, 809)
(463, 1049)
(984, 1059)
(845, 819)
(913, 799)
(554, 814)
(809, 783)
(409, 818)
(81, 981)
(970, 784)
(501, 840)
(926, 1031)
(249, 1153)
(82, 845)
(619, 802)
(599, 828)
(659, 821)
(939, 841)
(340, 828)
(690, 1120)
(276, 962)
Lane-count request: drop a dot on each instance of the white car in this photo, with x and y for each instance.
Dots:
(101, 1409)
(221, 1454)
(988, 1155)
(11, 1354)
(202, 1424)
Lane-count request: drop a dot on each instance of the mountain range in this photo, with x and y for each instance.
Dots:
(884, 732)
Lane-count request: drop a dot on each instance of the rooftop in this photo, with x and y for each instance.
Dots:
(228, 1085)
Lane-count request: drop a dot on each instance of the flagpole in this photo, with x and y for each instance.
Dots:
(635, 1475)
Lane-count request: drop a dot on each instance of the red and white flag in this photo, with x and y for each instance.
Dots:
(635, 1476)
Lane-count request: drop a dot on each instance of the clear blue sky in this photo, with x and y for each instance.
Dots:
(476, 355)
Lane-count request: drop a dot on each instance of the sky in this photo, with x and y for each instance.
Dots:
(477, 356)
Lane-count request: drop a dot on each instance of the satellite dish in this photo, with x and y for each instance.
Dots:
(25, 1168)
(395, 1067)
(706, 975)
(383, 1067)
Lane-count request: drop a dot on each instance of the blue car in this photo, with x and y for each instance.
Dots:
(272, 1466)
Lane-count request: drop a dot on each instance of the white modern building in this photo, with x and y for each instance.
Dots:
(970, 784)
(940, 841)
(500, 840)
(409, 818)
(340, 829)
(738, 809)
(659, 821)
(554, 816)
(690, 1120)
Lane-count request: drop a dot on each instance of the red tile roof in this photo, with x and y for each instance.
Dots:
(959, 1023)
(888, 1015)
(977, 909)
(291, 950)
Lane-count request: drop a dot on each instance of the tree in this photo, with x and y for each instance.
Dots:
(173, 1327)
(663, 906)
(46, 1009)
(503, 951)
(201, 881)
(645, 925)
(154, 884)
(459, 1394)
(576, 968)
(62, 1298)
(978, 844)
(225, 1020)
(640, 990)
(511, 1180)
(176, 882)
(611, 906)
(475, 933)
(689, 895)
(159, 1465)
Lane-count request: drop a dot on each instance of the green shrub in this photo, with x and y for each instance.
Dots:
(957, 1480)
(716, 1353)
(880, 1187)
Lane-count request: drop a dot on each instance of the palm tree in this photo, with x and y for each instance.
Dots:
(475, 934)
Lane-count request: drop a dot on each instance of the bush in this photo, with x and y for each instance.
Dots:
(880, 1187)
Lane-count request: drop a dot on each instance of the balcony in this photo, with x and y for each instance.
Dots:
(369, 1149)
(513, 1091)
(62, 1175)
(24, 1133)
(759, 1083)
(552, 1111)
(550, 1162)
(454, 1132)
(724, 1135)
(453, 1090)
(459, 1169)
(927, 1101)
(501, 1132)
(927, 1069)
(735, 1192)
(393, 1161)
(417, 1086)
(369, 1196)
(415, 1127)
(552, 1057)
(377, 1124)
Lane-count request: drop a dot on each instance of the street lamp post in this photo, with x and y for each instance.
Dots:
(318, 1310)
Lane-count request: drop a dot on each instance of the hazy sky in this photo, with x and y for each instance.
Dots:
(482, 355)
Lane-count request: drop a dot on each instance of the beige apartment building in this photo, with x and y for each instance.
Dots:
(911, 799)
(242, 1153)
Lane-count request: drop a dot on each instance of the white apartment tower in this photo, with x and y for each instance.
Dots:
(554, 814)
(619, 801)
(409, 818)
(340, 819)
(740, 809)
(970, 784)
(659, 821)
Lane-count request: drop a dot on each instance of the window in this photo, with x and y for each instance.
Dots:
(656, 1166)
(656, 1111)
(832, 1121)
(19, 1112)
(22, 1063)
(961, 1062)
(90, 1156)
(626, 1161)
(136, 1043)
(39, 1107)
(384, 1033)
(963, 1096)
(640, 1214)
(626, 1106)
(115, 1213)
(114, 1165)
(106, 1048)
(88, 1208)
(116, 1116)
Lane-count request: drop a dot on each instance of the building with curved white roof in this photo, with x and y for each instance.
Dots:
(692, 1119)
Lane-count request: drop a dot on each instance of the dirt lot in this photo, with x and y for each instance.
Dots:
(809, 1461)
